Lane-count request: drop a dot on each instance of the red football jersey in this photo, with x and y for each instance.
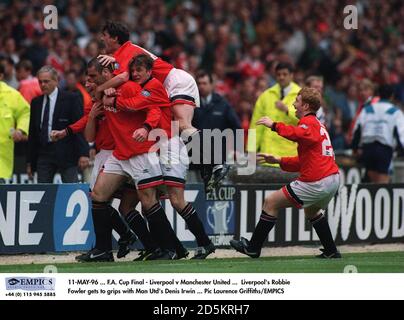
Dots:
(123, 123)
(315, 159)
(152, 93)
(103, 138)
(80, 124)
(129, 50)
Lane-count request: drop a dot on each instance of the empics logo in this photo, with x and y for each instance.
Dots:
(13, 281)
(30, 284)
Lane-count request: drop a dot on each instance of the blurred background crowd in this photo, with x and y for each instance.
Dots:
(238, 41)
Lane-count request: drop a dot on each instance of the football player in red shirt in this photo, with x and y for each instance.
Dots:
(104, 144)
(315, 187)
(180, 85)
(135, 158)
(97, 129)
(171, 156)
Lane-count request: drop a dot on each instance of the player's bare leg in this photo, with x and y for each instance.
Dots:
(184, 113)
(106, 185)
(275, 201)
(129, 200)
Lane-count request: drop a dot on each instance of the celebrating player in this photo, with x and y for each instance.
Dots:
(316, 186)
(173, 169)
(180, 85)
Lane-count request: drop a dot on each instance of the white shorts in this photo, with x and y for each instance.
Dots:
(144, 169)
(174, 162)
(182, 88)
(307, 194)
(100, 158)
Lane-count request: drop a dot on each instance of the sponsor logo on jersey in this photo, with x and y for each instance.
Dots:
(146, 93)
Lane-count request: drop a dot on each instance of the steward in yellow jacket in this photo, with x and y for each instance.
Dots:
(268, 141)
(14, 125)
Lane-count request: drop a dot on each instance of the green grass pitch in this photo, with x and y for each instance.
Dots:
(381, 262)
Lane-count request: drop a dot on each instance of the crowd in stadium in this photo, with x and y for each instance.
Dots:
(238, 41)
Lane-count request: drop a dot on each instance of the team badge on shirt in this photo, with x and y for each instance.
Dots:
(303, 126)
(146, 93)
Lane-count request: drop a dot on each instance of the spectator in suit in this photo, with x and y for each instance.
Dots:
(55, 110)
(215, 113)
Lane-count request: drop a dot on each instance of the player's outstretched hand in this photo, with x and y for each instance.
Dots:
(96, 110)
(267, 158)
(105, 59)
(266, 121)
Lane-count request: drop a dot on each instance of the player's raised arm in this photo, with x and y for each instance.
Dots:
(113, 83)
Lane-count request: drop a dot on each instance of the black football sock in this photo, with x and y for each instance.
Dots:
(264, 226)
(102, 226)
(195, 225)
(117, 223)
(160, 227)
(138, 225)
(320, 224)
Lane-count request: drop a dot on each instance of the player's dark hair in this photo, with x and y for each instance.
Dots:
(141, 60)
(2, 69)
(284, 65)
(386, 91)
(94, 62)
(116, 29)
(204, 73)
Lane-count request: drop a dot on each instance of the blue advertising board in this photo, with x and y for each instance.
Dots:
(45, 218)
(56, 218)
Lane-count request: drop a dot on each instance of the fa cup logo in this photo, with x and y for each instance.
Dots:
(219, 215)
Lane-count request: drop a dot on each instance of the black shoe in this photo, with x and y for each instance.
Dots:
(203, 252)
(242, 247)
(145, 255)
(96, 255)
(156, 254)
(218, 174)
(182, 254)
(167, 255)
(83, 255)
(334, 255)
(124, 242)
